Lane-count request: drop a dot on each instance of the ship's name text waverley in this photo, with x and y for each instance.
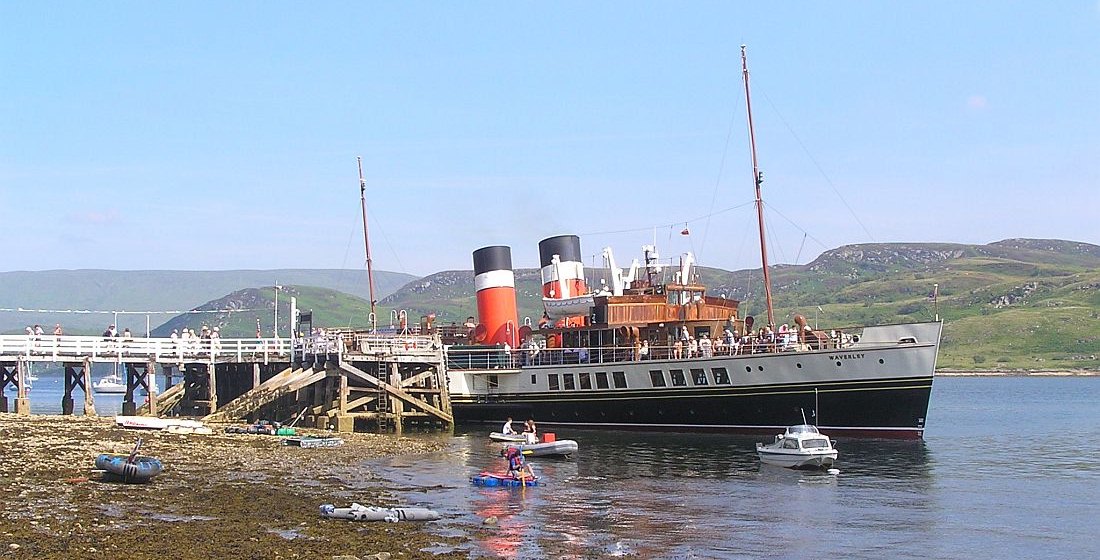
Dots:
(846, 357)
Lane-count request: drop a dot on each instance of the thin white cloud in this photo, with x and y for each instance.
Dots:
(97, 217)
(976, 102)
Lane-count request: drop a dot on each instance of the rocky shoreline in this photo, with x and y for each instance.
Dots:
(1018, 373)
(233, 496)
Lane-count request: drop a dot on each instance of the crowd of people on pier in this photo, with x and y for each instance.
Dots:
(208, 339)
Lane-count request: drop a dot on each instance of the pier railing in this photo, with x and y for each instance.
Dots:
(98, 348)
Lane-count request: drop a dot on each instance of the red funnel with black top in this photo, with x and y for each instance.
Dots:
(495, 284)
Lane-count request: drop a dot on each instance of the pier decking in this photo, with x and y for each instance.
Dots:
(346, 380)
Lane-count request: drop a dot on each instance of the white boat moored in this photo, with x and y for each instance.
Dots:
(800, 447)
(111, 384)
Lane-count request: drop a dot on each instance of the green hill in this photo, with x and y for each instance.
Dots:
(329, 308)
(140, 291)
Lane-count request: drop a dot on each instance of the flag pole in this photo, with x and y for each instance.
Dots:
(936, 300)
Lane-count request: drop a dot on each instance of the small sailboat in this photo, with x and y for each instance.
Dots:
(112, 384)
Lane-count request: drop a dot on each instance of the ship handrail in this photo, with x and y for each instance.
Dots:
(470, 357)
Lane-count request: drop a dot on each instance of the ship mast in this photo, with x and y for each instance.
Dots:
(757, 179)
(366, 238)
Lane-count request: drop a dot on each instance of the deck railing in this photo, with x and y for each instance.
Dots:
(99, 348)
(461, 357)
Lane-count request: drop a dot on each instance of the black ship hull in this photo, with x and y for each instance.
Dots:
(886, 408)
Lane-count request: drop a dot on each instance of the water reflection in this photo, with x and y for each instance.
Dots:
(652, 494)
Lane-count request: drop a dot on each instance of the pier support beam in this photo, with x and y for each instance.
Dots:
(212, 371)
(7, 375)
(89, 399)
(129, 407)
(77, 376)
(22, 403)
(397, 406)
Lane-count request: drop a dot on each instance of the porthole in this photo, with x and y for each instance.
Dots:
(799, 365)
(761, 368)
(748, 369)
(881, 361)
(838, 363)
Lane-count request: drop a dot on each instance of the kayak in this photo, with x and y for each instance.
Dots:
(502, 479)
(372, 513)
(564, 447)
(202, 430)
(313, 441)
(265, 428)
(154, 423)
(122, 468)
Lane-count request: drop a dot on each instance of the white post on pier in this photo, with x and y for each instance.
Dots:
(293, 324)
(275, 327)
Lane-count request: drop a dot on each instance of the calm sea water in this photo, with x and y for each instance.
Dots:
(1009, 468)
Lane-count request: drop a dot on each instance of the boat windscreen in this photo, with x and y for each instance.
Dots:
(815, 443)
(802, 429)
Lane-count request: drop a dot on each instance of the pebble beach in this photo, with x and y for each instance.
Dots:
(234, 496)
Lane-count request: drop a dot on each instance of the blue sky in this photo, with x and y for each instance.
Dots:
(214, 135)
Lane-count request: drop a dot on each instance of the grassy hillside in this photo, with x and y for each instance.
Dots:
(330, 308)
(153, 290)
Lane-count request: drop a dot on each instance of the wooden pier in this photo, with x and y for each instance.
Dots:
(345, 380)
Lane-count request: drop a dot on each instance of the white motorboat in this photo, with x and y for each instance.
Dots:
(112, 384)
(800, 447)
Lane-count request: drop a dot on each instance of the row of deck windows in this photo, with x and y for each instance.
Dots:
(698, 377)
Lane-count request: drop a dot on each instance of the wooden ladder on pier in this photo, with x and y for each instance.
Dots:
(286, 381)
(385, 416)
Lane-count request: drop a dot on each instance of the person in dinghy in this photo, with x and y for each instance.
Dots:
(530, 435)
(518, 467)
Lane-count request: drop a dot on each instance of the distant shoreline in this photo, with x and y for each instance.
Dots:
(1018, 373)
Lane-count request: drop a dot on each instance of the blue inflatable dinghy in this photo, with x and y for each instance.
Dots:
(502, 479)
(126, 469)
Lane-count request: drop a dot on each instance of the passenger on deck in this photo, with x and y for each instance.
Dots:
(507, 429)
(705, 348)
(727, 341)
(643, 352)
